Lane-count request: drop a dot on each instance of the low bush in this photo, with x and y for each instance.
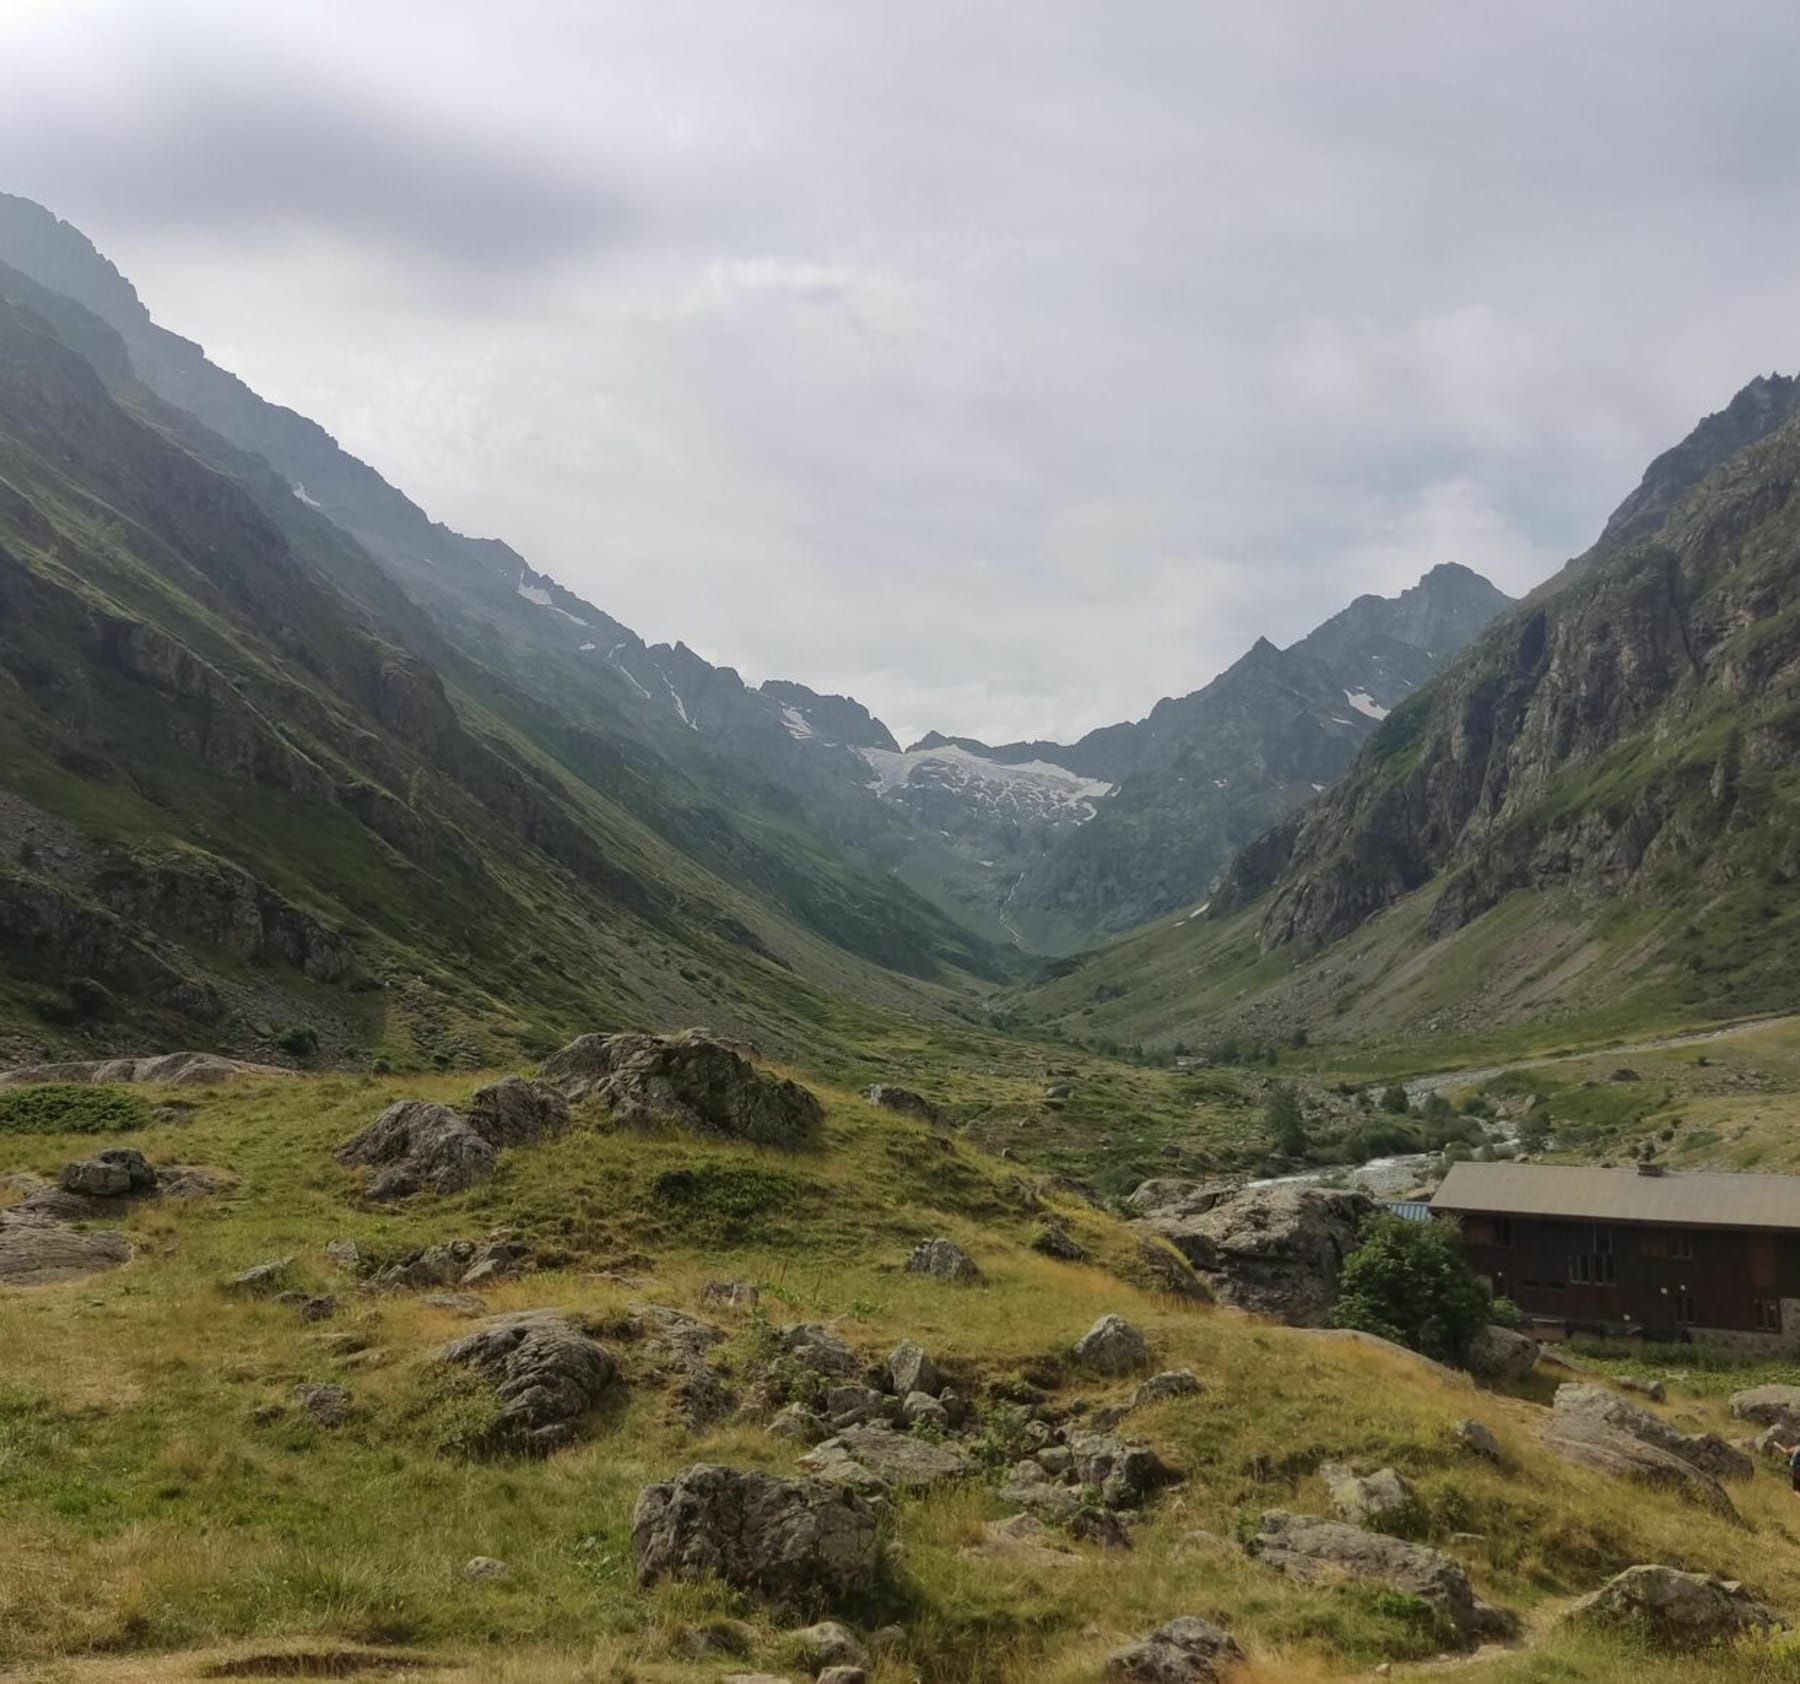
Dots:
(70, 1108)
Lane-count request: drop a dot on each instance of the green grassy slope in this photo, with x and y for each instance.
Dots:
(240, 804)
(160, 1495)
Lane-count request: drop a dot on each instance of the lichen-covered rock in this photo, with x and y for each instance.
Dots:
(827, 1644)
(1499, 1354)
(546, 1372)
(1770, 1406)
(1365, 1498)
(818, 1348)
(1596, 1443)
(943, 1260)
(112, 1174)
(1478, 1440)
(1159, 1388)
(327, 1404)
(911, 1370)
(37, 1251)
(1185, 1651)
(1705, 1451)
(1123, 1471)
(518, 1112)
(1112, 1346)
(1275, 1250)
(1317, 1551)
(896, 1459)
(1166, 1195)
(1675, 1609)
(417, 1146)
(904, 1101)
(692, 1079)
(798, 1543)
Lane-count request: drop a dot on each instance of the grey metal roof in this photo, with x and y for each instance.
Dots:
(1675, 1199)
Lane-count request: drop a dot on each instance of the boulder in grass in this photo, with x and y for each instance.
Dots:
(1112, 1346)
(796, 1542)
(1185, 1651)
(904, 1101)
(1674, 1609)
(546, 1373)
(692, 1079)
(1319, 1551)
(943, 1260)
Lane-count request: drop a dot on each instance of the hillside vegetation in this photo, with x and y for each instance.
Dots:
(165, 1493)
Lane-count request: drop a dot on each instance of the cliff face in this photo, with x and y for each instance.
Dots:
(1629, 731)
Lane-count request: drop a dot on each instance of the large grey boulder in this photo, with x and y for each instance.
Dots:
(1770, 1406)
(903, 1100)
(898, 1460)
(418, 1146)
(1363, 1499)
(37, 1251)
(800, 1543)
(112, 1174)
(1319, 1551)
(546, 1373)
(1676, 1609)
(1168, 1195)
(692, 1079)
(1112, 1346)
(1705, 1451)
(178, 1069)
(911, 1370)
(1596, 1443)
(1275, 1251)
(1499, 1354)
(814, 1346)
(1188, 1650)
(943, 1260)
(518, 1112)
(1123, 1471)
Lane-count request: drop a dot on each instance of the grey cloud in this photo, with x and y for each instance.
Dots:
(1007, 367)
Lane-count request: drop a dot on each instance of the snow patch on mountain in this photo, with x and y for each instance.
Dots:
(1364, 703)
(797, 725)
(1037, 788)
(299, 491)
(533, 593)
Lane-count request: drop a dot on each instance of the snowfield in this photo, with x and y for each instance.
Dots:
(1038, 788)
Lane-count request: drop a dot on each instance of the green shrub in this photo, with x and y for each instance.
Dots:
(70, 1108)
(302, 1041)
(1412, 1282)
(1395, 1100)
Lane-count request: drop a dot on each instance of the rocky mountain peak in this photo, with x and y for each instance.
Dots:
(840, 720)
(1758, 409)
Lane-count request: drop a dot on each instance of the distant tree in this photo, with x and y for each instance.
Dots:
(1394, 1099)
(1412, 1282)
(1286, 1120)
(1437, 1109)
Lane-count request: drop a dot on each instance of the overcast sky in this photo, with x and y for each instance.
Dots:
(1007, 365)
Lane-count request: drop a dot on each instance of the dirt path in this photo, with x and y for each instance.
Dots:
(1422, 1086)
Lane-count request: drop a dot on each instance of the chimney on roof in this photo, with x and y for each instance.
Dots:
(1645, 1168)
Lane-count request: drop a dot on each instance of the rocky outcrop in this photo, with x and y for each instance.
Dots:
(182, 1069)
(798, 1543)
(1498, 1354)
(691, 1079)
(897, 1461)
(546, 1373)
(1675, 1609)
(466, 1263)
(1596, 1443)
(1366, 1499)
(1112, 1346)
(1275, 1251)
(419, 1146)
(1319, 1551)
(110, 1174)
(1774, 1406)
(40, 1251)
(1188, 1650)
(904, 1101)
(1171, 1196)
(943, 1260)
(1704, 1451)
